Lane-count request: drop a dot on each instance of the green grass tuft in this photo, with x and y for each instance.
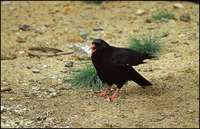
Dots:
(163, 16)
(148, 45)
(86, 77)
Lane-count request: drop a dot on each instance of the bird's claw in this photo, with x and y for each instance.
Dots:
(103, 93)
(114, 97)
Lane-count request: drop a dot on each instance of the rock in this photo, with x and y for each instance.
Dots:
(151, 27)
(181, 35)
(68, 63)
(140, 12)
(21, 52)
(36, 71)
(3, 109)
(185, 17)
(83, 34)
(64, 70)
(190, 111)
(178, 5)
(53, 94)
(44, 66)
(24, 27)
(186, 43)
(148, 20)
(20, 40)
(11, 99)
(97, 29)
(175, 42)
(177, 55)
(5, 89)
(28, 67)
(66, 9)
(164, 34)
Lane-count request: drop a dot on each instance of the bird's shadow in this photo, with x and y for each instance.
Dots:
(135, 90)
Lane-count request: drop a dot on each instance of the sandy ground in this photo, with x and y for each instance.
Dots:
(42, 99)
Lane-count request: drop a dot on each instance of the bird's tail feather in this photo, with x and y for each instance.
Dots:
(136, 77)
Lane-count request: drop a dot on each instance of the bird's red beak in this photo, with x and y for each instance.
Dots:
(93, 48)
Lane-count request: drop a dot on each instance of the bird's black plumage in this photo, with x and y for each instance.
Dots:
(114, 65)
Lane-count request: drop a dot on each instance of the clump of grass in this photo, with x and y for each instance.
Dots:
(94, 2)
(148, 45)
(163, 16)
(86, 77)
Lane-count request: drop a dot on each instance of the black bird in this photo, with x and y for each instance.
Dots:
(114, 66)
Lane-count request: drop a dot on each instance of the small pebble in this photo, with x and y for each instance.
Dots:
(177, 55)
(28, 67)
(148, 20)
(53, 94)
(97, 29)
(140, 12)
(178, 5)
(20, 40)
(165, 34)
(5, 89)
(44, 66)
(24, 27)
(3, 109)
(83, 34)
(36, 71)
(175, 42)
(185, 18)
(181, 35)
(64, 71)
(68, 63)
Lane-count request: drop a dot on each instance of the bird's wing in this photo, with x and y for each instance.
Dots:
(123, 56)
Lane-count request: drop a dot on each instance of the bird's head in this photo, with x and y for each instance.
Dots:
(99, 45)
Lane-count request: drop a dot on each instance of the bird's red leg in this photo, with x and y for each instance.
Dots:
(115, 95)
(104, 92)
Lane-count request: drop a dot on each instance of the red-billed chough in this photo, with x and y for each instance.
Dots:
(114, 66)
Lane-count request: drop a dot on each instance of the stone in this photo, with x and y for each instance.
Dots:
(140, 12)
(3, 109)
(83, 34)
(185, 17)
(164, 34)
(24, 27)
(177, 55)
(53, 94)
(36, 71)
(68, 63)
(44, 66)
(181, 35)
(97, 29)
(178, 5)
(66, 9)
(20, 40)
(148, 20)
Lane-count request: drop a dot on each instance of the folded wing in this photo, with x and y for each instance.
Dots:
(124, 56)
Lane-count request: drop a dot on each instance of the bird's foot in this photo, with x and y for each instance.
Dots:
(115, 95)
(103, 93)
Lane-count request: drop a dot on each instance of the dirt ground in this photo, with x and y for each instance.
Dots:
(38, 95)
